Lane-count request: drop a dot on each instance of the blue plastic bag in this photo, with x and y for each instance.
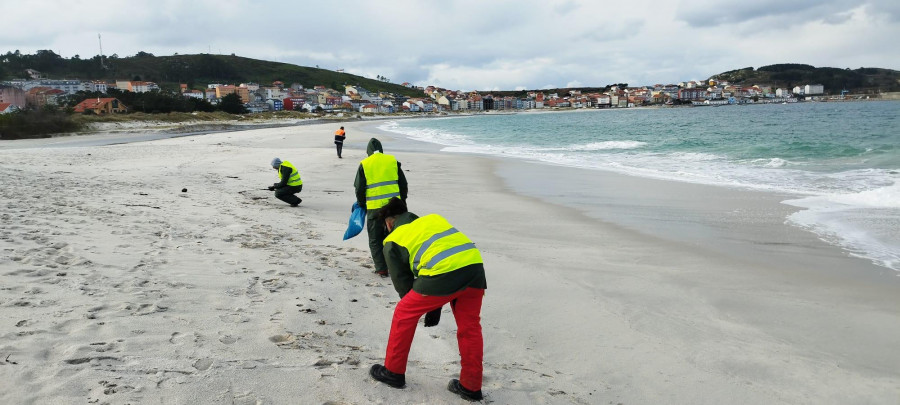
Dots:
(357, 221)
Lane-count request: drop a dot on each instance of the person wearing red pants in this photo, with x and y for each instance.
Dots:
(432, 264)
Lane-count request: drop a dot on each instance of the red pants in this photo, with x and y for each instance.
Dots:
(466, 310)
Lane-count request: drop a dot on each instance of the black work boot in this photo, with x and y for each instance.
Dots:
(457, 388)
(381, 373)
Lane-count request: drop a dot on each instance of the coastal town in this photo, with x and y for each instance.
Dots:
(37, 92)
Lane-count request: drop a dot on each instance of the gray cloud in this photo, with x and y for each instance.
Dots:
(472, 44)
(888, 9)
(775, 14)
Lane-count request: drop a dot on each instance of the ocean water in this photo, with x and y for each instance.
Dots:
(840, 162)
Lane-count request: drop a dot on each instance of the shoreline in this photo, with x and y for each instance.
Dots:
(200, 127)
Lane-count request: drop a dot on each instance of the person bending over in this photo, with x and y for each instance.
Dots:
(432, 264)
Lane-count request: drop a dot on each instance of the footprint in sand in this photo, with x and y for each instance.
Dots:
(144, 309)
(227, 339)
(203, 364)
(273, 285)
(281, 339)
(234, 318)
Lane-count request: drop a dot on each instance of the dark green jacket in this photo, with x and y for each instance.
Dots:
(285, 176)
(360, 182)
(397, 258)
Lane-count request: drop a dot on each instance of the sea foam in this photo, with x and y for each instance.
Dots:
(865, 223)
(608, 145)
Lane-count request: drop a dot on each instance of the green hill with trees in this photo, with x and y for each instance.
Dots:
(788, 75)
(195, 70)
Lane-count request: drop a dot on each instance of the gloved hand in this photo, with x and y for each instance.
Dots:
(432, 318)
(271, 188)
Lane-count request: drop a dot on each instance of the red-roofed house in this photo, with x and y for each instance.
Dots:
(101, 106)
(6, 108)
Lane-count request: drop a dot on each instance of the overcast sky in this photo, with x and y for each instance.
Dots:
(477, 45)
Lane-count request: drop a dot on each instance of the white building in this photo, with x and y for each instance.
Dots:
(782, 92)
(194, 94)
(275, 92)
(812, 89)
(97, 85)
(143, 87)
(604, 100)
(67, 86)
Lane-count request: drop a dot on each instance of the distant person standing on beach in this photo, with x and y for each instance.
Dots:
(339, 137)
(378, 179)
(290, 183)
(432, 264)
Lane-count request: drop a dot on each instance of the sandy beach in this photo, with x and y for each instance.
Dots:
(118, 287)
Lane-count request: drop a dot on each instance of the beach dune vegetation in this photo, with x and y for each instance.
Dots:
(38, 123)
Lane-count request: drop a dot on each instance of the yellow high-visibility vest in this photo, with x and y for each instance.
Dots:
(435, 247)
(382, 180)
(294, 180)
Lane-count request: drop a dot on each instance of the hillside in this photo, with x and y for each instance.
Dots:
(788, 75)
(195, 70)
(199, 70)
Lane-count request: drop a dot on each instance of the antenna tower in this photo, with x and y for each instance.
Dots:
(102, 65)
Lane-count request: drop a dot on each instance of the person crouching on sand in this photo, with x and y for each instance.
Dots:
(290, 183)
(432, 264)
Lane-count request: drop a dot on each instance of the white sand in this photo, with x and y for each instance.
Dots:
(116, 287)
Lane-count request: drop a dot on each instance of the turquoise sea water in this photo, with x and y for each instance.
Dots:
(840, 162)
